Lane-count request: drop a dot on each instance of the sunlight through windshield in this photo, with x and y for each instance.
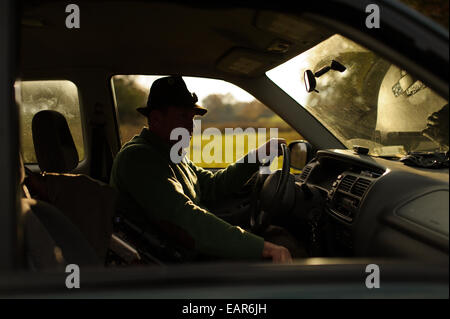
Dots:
(372, 103)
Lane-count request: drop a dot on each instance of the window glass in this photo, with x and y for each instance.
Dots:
(235, 123)
(365, 100)
(60, 96)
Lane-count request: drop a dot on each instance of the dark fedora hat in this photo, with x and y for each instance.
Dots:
(170, 91)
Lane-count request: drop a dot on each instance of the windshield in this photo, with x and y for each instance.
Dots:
(372, 103)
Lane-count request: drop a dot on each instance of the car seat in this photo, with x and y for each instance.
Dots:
(51, 240)
(88, 203)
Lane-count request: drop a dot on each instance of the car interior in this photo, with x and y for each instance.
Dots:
(340, 201)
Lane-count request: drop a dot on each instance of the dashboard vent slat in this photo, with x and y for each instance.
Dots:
(347, 183)
(360, 187)
(305, 173)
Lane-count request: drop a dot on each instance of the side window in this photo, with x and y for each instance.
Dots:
(235, 123)
(60, 96)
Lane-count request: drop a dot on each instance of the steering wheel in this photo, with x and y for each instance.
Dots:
(269, 195)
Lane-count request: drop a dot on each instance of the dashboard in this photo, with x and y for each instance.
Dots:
(378, 207)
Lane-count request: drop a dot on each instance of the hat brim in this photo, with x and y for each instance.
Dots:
(199, 110)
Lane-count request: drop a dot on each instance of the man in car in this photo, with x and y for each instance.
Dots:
(156, 189)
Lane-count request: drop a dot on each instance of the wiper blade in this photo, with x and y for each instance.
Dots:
(427, 159)
(389, 157)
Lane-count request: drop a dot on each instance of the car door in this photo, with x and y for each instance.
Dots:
(307, 279)
(9, 158)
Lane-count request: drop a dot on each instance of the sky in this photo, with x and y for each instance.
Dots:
(204, 87)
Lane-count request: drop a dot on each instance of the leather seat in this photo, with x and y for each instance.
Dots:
(87, 203)
(51, 240)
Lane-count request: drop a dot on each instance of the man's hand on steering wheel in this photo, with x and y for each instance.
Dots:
(269, 150)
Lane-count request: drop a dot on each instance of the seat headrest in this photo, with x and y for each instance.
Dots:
(53, 142)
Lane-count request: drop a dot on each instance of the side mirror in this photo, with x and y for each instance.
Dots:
(301, 153)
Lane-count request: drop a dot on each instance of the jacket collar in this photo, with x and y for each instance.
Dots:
(154, 140)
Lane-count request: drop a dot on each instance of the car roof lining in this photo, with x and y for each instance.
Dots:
(139, 46)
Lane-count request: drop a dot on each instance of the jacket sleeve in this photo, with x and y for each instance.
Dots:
(148, 178)
(224, 182)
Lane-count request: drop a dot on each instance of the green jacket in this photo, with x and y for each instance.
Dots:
(154, 189)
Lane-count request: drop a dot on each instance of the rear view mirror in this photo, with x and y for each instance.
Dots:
(310, 78)
(301, 153)
(310, 81)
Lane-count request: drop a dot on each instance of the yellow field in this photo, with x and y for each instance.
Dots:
(232, 148)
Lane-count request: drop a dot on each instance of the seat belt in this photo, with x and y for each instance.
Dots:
(102, 156)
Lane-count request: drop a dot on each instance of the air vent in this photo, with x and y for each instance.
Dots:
(360, 187)
(347, 183)
(305, 173)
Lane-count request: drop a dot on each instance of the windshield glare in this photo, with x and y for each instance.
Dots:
(372, 103)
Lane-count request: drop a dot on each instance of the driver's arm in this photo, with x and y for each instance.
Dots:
(215, 186)
(226, 181)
